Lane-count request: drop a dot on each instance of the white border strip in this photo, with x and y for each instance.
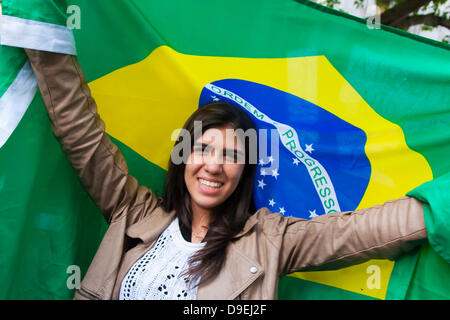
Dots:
(23, 33)
(15, 101)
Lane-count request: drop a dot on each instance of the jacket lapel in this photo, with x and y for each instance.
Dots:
(152, 226)
(237, 274)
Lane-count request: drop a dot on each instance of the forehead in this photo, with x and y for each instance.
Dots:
(225, 137)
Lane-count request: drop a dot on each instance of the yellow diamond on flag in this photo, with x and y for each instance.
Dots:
(144, 103)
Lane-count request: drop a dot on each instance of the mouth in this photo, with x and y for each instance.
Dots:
(208, 186)
(209, 183)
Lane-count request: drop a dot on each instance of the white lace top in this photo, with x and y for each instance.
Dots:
(157, 275)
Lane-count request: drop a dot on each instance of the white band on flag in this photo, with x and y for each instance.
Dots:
(319, 176)
(30, 34)
(15, 101)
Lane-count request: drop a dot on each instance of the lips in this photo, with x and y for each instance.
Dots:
(210, 183)
(209, 187)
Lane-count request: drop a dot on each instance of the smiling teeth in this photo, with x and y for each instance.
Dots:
(210, 183)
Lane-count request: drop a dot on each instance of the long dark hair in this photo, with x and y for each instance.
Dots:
(230, 217)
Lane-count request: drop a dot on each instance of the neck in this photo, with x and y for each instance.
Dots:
(201, 218)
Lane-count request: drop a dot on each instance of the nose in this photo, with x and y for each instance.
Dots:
(213, 163)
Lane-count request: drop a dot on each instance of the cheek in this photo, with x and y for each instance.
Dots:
(195, 158)
(234, 172)
(190, 170)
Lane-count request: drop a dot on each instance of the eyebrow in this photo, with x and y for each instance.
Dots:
(204, 145)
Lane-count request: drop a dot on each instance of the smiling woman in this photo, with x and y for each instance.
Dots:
(215, 199)
(203, 238)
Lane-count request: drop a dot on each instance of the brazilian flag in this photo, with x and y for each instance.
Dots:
(360, 113)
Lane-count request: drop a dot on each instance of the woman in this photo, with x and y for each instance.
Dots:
(202, 240)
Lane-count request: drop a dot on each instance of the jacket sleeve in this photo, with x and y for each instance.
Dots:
(78, 127)
(336, 240)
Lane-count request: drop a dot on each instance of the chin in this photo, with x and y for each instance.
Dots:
(207, 203)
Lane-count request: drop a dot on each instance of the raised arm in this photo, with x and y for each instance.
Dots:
(77, 125)
(338, 240)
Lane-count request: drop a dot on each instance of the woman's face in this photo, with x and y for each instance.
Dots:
(214, 168)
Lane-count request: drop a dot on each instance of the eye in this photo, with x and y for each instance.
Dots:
(203, 149)
(234, 157)
(197, 149)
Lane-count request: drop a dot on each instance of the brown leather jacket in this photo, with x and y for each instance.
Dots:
(270, 245)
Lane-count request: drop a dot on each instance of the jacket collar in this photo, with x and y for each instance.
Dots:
(149, 228)
(248, 226)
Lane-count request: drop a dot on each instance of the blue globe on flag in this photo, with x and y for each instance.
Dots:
(318, 164)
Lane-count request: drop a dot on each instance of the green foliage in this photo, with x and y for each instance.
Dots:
(432, 5)
(426, 28)
(358, 4)
(332, 3)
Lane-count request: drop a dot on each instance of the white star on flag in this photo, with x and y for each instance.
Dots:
(271, 159)
(275, 173)
(261, 161)
(261, 184)
(282, 211)
(215, 98)
(313, 213)
(271, 202)
(309, 148)
(295, 161)
(263, 172)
